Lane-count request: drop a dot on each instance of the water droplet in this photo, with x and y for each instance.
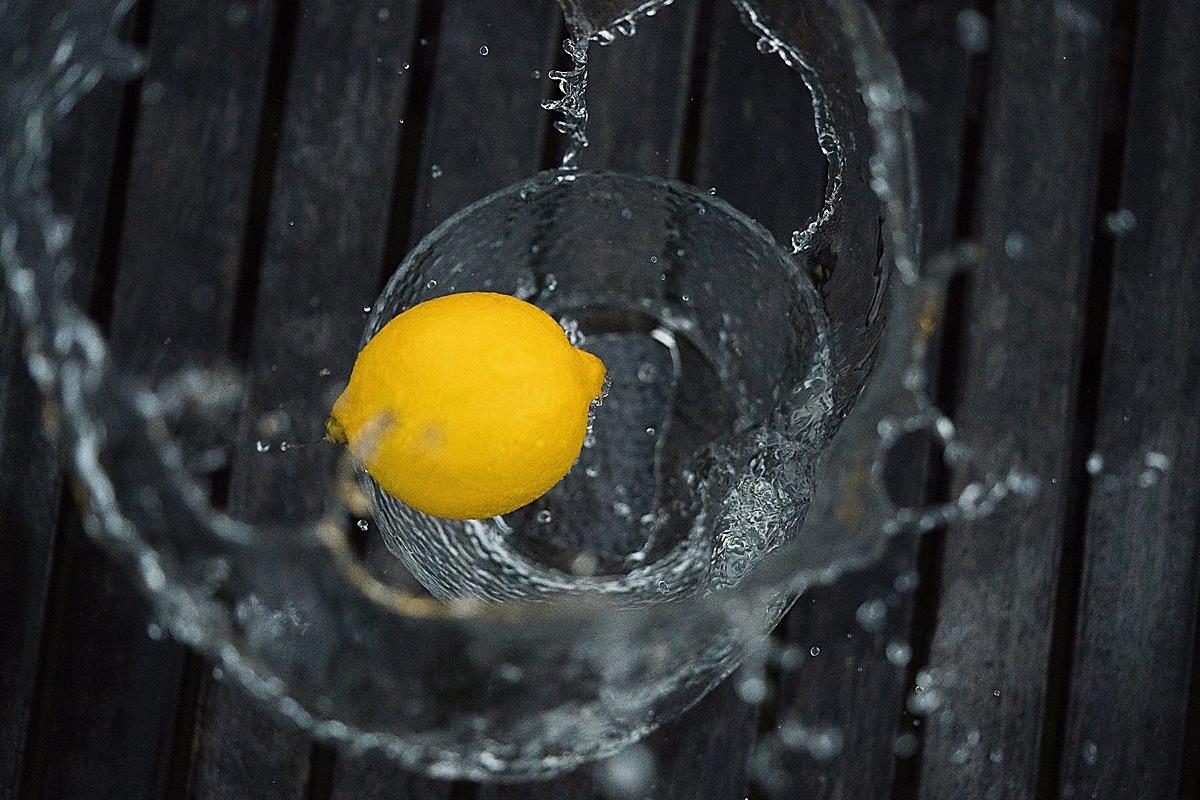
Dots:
(544, 516)
(237, 14)
(510, 673)
(1120, 222)
(1158, 461)
(155, 632)
(483, 51)
(752, 690)
(974, 31)
(871, 615)
(628, 774)
(153, 92)
(905, 745)
(1095, 464)
(584, 564)
(766, 45)
(898, 653)
(435, 171)
(1016, 245)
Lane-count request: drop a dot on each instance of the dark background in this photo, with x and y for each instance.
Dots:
(1061, 641)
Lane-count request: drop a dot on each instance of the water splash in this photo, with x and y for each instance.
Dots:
(572, 83)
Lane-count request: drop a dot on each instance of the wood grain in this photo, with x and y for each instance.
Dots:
(851, 685)
(1137, 618)
(115, 692)
(1020, 375)
(31, 479)
(324, 242)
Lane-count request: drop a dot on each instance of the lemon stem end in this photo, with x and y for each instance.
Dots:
(334, 432)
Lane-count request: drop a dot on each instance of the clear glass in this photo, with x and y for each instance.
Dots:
(755, 388)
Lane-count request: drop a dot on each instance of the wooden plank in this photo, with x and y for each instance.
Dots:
(857, 683)
(638, 91)
(988, 666)
(482, 130)
(111, 707)
(758, 143)
(324, 242)
(30, 467)
(1137, 618)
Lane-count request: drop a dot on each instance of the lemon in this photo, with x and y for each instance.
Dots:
(468, 405)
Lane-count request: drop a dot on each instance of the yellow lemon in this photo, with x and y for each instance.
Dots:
(468, 405)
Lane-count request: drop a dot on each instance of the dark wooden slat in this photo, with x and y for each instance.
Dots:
(638, 95)
(483, 130)
(758, 143)
(1038, 184)
(30, 468)
(325, 239)
(852, 685)
(1137, 619)
(112, 709)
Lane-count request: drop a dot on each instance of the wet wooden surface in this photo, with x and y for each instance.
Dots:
(1061, 641)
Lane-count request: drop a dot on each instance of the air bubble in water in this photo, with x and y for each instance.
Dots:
(363, 525)
(435, 171)
(483, 51)
(1089, 752)
(261, 446)
(544, 516)
(1095, 464)
(814, 651)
